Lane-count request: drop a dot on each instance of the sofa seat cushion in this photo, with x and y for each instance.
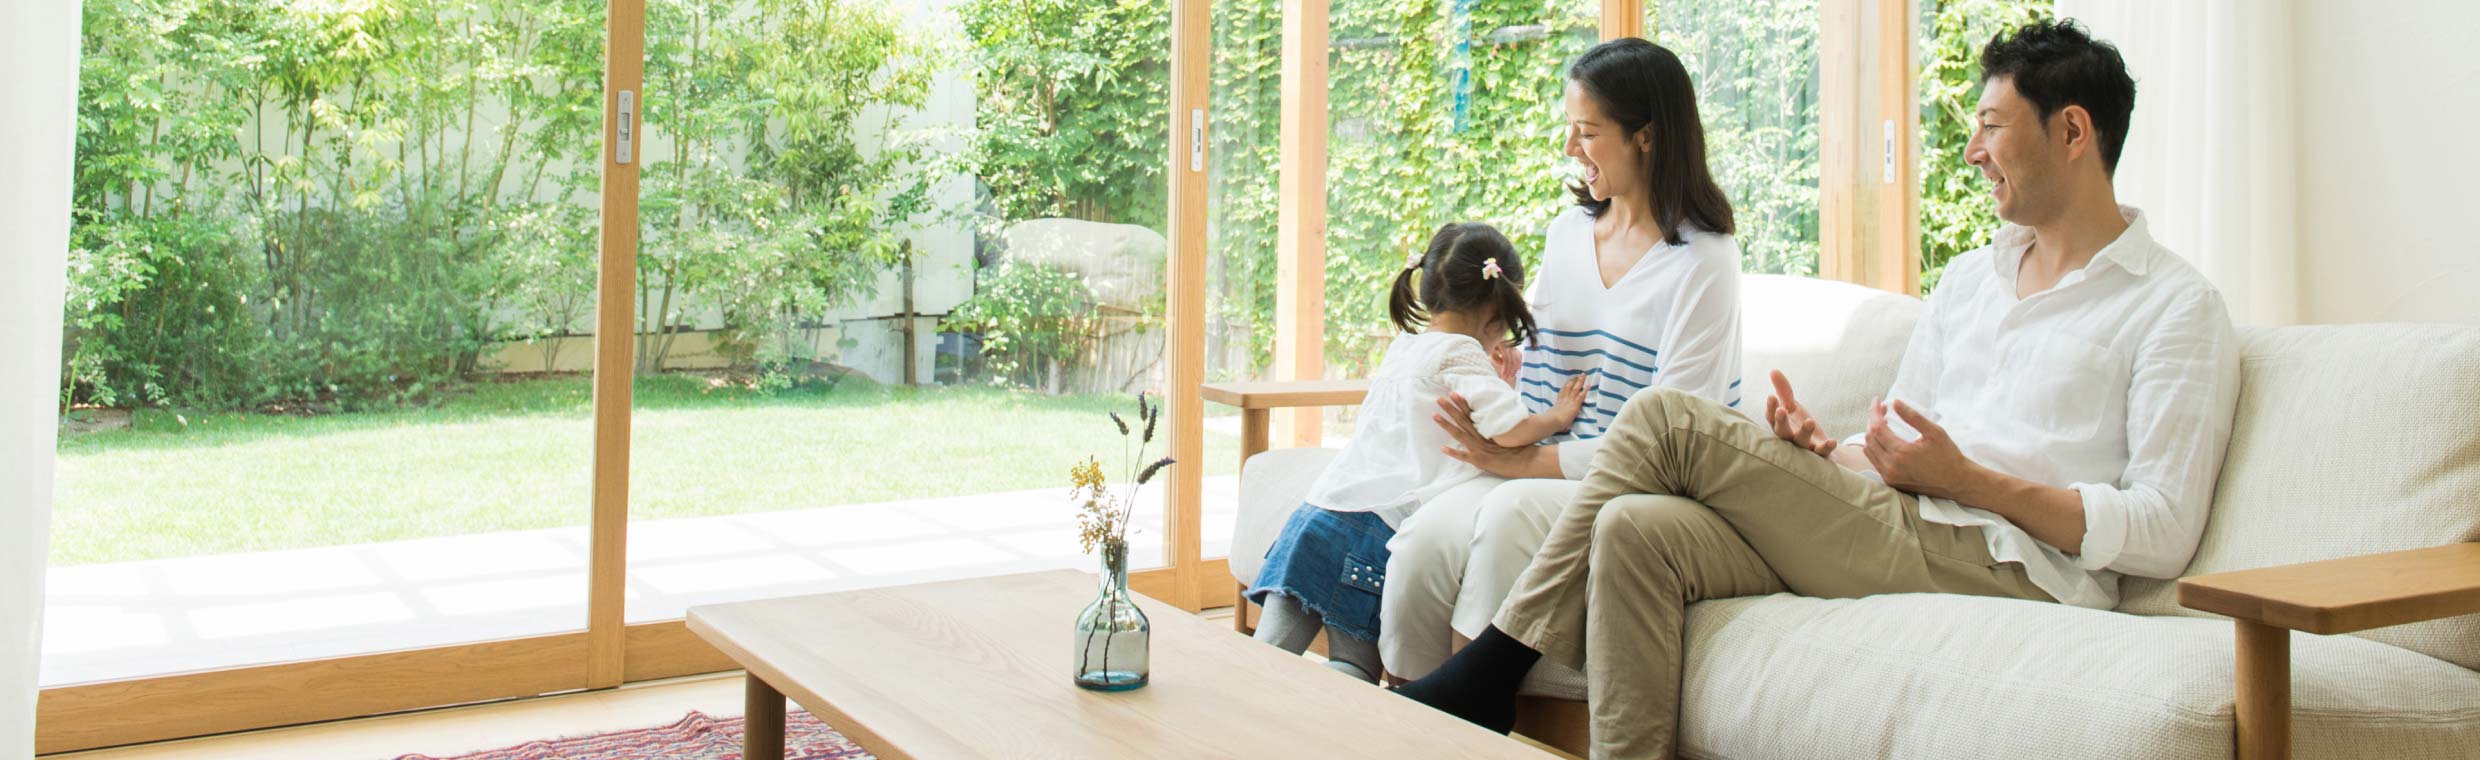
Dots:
(1927, 675)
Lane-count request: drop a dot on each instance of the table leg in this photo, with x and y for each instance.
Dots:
(2264, 692)
(1254, 433)
(1253, 441)
(1240, 612)
(762, 722)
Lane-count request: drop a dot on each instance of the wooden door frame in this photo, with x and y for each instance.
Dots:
(1869, 144)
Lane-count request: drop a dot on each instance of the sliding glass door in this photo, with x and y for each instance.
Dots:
(331, 272)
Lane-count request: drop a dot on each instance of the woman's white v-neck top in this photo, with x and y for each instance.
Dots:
(1671, 322)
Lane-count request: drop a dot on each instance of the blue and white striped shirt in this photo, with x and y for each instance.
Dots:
(1672, 321)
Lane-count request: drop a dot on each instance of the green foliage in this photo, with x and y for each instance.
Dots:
(1404, 156)
(1956, 212)
(350, 201)
(157, 312)
(1755, 69)
(1072, 95)
(766, 207)
(1031, 318)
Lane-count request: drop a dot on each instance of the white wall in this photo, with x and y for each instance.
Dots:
(2387, 94)
(38, 50)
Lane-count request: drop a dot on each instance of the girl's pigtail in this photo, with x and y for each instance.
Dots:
(1402, 305)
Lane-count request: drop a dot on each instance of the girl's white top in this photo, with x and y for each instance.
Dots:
(1672, 321)
(1396, 458)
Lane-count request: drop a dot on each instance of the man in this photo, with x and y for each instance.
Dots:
(2058, 420)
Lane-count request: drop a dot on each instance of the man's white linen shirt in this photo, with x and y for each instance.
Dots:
(2119, 382)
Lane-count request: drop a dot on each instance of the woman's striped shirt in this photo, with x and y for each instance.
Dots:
(1672, 321)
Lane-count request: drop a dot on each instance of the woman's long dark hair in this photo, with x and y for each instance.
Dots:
(1451, 276)
(1644, 87)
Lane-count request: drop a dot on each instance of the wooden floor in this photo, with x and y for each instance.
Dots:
(455, 730)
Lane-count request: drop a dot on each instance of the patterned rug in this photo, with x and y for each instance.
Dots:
(696, 737)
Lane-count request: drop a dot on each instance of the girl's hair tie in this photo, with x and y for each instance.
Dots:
(1489, 269)
(1413, 261)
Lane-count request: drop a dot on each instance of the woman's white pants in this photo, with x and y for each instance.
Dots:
(1453, 562)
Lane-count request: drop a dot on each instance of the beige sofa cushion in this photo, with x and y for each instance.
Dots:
(1272, 484)
(2350, 440)
(1839, 343)
(1934, 676)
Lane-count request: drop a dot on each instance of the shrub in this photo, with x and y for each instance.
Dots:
(1031, 319)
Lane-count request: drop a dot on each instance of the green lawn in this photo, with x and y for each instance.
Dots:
(516, 455)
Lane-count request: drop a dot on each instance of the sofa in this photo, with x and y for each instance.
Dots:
(2350, 441)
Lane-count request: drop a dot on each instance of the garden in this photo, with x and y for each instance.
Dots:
(310, 237)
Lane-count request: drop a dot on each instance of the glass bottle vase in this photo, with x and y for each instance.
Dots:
(1112, 635)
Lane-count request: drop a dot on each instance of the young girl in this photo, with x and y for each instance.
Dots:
(1328, 566)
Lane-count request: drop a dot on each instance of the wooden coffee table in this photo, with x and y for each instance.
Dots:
(981, 668)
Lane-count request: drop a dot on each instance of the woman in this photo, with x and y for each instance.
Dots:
(1639, 288)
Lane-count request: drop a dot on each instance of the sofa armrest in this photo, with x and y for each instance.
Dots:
(2345, 595)
(1254, 399)
(2332, 596)
(1286, 394)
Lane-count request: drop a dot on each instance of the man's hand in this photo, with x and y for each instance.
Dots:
(1934, 466)
(1931, 466)
(1792, 421)
(1455, 416)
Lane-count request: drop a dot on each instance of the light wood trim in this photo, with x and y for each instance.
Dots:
(1254, 433)
(2263, 692)
(1838, 98)
(614, 331)
(107, 714)
(1894, 264)
(1300, 216)
(2345, 595)
(1160, 583)
(1622, 19)
(1191, 139)
(1563, 725)
(1277, 395)
(666, 649)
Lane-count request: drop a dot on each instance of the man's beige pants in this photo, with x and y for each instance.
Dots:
(1689, 501)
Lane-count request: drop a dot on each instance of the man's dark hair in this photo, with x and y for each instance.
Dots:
(2055, 64)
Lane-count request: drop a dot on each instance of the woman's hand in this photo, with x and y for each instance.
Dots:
(1455, 416)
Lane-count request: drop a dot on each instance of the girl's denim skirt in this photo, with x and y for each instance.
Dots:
(1334, 563)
